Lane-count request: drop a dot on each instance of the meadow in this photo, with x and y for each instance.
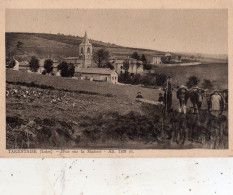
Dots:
(216, 73)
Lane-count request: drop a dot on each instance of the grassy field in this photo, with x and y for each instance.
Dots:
(53, 112)
(216, 73)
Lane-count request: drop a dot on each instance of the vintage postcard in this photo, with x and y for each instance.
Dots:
(116, 81)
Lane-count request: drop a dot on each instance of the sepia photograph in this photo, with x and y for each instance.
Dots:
(116, 79)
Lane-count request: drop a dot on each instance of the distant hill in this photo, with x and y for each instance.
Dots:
(57, 46)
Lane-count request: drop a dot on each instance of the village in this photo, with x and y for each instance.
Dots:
(101, 82)
(104, 67)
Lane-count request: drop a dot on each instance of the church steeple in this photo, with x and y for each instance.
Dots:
(85, 51)
(85, 39)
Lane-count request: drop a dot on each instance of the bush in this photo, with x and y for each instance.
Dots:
(10, 63)
(192, 81)
(135, 79)
(34, 64)
(125, 78)
(44, 72)
(147, 66)
(48, 65)
(160, 79)
(207, 84)
(67, 70)
(148, 79)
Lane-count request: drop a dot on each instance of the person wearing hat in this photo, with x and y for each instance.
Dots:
(161, 98)
(139, 95)
(182, 95)
(216, 102)
(168, 95)
(196, 97)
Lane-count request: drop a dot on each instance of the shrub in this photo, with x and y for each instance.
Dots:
(44, 72)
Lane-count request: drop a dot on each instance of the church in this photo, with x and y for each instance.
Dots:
(85, 58)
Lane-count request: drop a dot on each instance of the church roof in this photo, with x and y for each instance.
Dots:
(85, 40)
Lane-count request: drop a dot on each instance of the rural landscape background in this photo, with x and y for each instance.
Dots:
(55, 112)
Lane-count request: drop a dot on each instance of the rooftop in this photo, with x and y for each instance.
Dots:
(71, 58)
(95, 70)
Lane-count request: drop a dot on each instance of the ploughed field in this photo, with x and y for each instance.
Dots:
(52, 112)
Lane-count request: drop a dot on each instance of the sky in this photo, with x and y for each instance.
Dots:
(199, 31)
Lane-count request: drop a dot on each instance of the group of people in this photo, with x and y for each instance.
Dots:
(196, 96)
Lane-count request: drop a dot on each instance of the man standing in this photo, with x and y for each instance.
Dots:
(182, 95)
(168, 95)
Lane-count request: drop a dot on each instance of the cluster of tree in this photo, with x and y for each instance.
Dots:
(147, 80)
(146, 65)
(66, 69)
(194, 81)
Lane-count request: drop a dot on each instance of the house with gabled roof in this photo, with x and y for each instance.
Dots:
(97, 74)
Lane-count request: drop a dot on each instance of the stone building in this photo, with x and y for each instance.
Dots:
(154, 59)
(135, 66)
(97, 74)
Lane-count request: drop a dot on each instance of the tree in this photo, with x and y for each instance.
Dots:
(207, 84)
(109, 65)
(101, 56)
(19, 45)
(138, 64)
(67, 69)
(135, 55)
(34, 64)
(126, 65)
(143, 59)
(10, 63)
(192, 81)
(48, 65)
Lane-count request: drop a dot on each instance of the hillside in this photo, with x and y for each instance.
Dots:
(57, 46)
(60, 46)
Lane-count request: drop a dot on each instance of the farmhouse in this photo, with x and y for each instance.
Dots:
(97, 74)
(85, 58)
(154, 59)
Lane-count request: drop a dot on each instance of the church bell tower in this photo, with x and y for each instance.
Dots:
(85, 52)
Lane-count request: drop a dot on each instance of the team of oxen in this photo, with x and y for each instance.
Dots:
(216, 101)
